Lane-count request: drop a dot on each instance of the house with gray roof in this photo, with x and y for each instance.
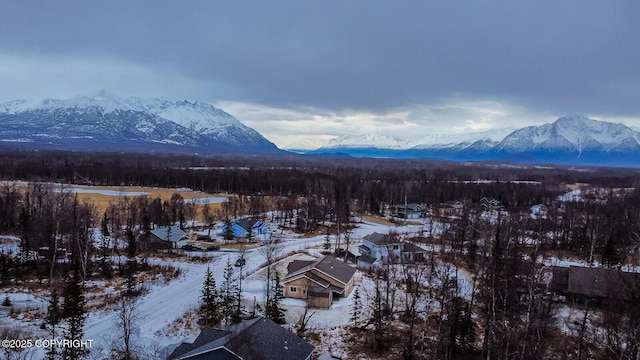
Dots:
(255, 339)
(387, 248)
(599, 284)
(491, 204)
(320, 281)
(167, 237)
(410, 211)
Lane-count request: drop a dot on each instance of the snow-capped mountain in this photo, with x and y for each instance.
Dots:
(373, 141)
(430, 141)
(107, 122)
(473, 140)
(569, 140)
(573, 134)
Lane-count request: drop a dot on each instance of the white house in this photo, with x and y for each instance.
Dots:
(171, 236)
(384, 247)
(410, 211)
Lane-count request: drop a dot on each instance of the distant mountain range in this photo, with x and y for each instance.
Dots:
(106, 122)
(574, 140)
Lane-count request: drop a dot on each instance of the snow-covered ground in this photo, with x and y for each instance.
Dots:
(102, 192)
(168, 305)
(164, 304)
(9, 245)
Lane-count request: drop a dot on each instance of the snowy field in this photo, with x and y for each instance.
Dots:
(103, 192)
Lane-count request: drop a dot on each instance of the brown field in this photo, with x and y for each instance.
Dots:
(102, 201)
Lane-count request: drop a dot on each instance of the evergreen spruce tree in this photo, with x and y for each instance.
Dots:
(210, 308)
(327, 242)
(74, 314)
(105, 266)
(273, 309)
(228, 233)
(132, 264)
(53, 318)
(356, 306)
(228, 293)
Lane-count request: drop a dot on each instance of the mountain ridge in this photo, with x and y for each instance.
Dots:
(107, 121)
(571, 139)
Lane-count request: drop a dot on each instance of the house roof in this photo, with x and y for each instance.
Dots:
(451, 203)
(247, 223)
(379, 239)
(259, 338)
(206, 336)
(335, 268)
(221, 353)
(490, 201)
(601, 282)
(409, 247)
(366, 258)
(410, 207)
(328, 265)
(175, 234)
(296, 265)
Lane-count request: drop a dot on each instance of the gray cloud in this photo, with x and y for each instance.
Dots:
(549, 57)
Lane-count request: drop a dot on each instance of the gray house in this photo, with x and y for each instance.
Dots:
(491, 203)
(599, 284)
(410, 211)
(255, 339)
(168, 237)
(386, 248)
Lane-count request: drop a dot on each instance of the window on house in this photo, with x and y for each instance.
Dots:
(293, 289)
(395, 247)
(304, 291)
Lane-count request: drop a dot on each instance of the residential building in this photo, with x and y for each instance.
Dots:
(167, 237)
(451, 207)
(410, 211)
(319, 281)
(599, 284)
(247, 228)
(491, 203)
(255, 339)
(386, 248)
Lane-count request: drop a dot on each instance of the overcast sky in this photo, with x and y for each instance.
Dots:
(302, 72)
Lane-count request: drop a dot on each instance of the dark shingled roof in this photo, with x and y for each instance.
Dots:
(221, 353)
(205, 336)
(409, 247)
(335, 268)
(378, 239)
(296, 265)
(257, 339)
(366, 258)
(328, 264)
(247, 223)
(601, 282)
